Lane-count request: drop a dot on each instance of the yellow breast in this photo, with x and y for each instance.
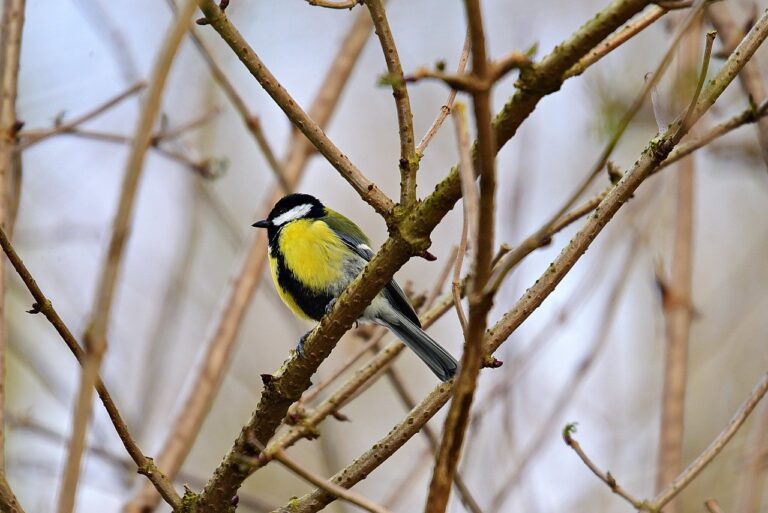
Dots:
(313, 252)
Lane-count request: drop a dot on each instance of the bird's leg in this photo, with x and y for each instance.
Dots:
(300, 345)
(329, 306)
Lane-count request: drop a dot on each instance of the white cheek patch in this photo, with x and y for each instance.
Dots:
(296, 212)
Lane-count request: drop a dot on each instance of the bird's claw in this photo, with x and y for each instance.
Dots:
(300, 345)
(330, 304)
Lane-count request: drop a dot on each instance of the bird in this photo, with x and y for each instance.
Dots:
(315, 253)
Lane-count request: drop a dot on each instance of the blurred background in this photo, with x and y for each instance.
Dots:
(593, 353)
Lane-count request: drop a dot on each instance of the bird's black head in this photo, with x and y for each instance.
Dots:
(290, 208)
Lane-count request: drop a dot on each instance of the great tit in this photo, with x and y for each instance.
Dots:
(315, 253)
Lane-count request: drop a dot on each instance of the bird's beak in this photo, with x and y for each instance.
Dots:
(264, 223)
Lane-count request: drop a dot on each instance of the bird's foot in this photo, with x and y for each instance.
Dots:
(300, 345)
(330, 304)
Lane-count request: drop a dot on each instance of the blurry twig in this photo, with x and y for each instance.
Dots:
(8, 501)
(714, 448)
(43, 305)
(96, 333)
(324, 484)
(755, 455)
(694, 468)
(470, 222)
(749, 78)
(311, 129)
(481, 230)
(31, 137)
(712, 506)
(447, 106)
(677, 292)
(11, 27)
(338, 4)
(251, 122)
(409, 159)
(571, 387)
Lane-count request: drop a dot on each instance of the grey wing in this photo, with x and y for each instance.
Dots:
(392, 290)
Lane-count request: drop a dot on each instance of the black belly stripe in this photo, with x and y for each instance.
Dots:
(311, 302)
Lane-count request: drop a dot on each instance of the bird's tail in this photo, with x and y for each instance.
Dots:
(437, 359)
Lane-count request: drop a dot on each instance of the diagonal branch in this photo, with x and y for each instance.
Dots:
(250, 121)
(43, 305)
(311, 129)
(8, 501)
(752, 84)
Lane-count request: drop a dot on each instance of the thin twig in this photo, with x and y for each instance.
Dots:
(605, 477)
(328, 486)
(574, 382)
(43, 305)
(447, 106)
(250, 121)
(750, 77)
(31, 137)
(306, 125)
(470, 221)
(11, 26)
(96, 333)
(409, 160)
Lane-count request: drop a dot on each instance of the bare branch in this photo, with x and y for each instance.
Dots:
(409, 160)
(43, 305)
(605, 477)
(482, 233)
(311, 129)
(712, 506)
(750, 78)
(250, 121)
(706, 457)
(448, 105)
(11, 26)
(328, 486)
